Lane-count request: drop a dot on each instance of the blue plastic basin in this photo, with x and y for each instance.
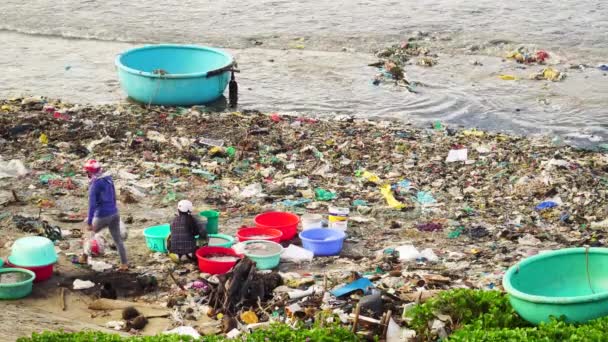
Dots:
(322, 241)
(174, 75)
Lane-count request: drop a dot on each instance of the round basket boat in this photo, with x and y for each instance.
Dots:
(570, 283)
(174, 75)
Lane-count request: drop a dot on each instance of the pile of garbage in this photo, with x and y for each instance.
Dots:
(429, 208)
(525, 56)
(392, 62)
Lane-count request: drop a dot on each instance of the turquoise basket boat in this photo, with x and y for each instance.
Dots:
(571, 283)
(174, 75)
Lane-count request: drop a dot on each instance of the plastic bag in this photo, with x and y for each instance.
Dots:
(124, 233)
(95, 246)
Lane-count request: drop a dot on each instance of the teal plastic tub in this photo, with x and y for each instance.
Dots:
(174, 75)
(267, 256)
(18, 289)
(156, 237)
(220, 240)
(571, 282)
(33, 251)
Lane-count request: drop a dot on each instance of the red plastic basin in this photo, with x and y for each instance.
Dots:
(42, 272)
(254, 233)
(214, 266)
(283, 221)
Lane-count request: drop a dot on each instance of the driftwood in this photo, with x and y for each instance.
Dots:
(242, 287)
(62, 299)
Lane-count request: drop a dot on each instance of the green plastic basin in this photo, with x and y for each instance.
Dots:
(220, 240)
(156, 237)
(571, 282)
(18, 289)
(267, 258)
(33, 251)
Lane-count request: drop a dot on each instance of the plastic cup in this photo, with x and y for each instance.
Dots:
(212, 217)
(310, 221)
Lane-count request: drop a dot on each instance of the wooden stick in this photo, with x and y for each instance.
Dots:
(175, 280)
(15, 196)
(356, 321)
(386, 323)
(62, 299)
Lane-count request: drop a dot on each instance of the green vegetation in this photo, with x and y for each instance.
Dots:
(277, 333)
(488, 316)
(483, 309)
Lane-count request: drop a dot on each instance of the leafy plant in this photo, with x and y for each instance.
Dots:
(547, 332)
(483, 309)
(276, 333)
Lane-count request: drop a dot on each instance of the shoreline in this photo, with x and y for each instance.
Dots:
(305, 81)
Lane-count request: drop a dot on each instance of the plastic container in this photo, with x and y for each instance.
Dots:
(42, 273)
(156, 237)
(18, 289)
(254, 233)
(267, 258)
(220, 240)
(572, 282)
(323, 242)
(213, 218)
(286, 222)
(33, 251)
(310, 221)
(338, 218)
(174, 75)
(213, 266)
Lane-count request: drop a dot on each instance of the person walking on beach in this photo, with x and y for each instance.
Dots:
(184, 228)
(102, 207)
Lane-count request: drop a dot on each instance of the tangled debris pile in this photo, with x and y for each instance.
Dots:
(430, 209)
(394, 59)
(524, 56)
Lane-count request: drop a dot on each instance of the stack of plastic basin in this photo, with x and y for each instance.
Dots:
(34, 253)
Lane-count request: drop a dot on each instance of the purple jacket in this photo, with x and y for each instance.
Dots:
(102, 198)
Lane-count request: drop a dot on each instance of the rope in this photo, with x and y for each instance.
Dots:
(588, 276)
(161, 73)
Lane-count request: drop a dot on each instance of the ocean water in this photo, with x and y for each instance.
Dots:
(311, 56)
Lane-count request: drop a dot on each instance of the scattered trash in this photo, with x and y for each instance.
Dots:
(362, 284)
(296, 254)
(546, 205)
(457, 155)
(549, 74)
(392, 202)
(429, 227)
(523, 55)
(450, 225)
(338, 218)
(324, 195)
(424, 197)
(83, 284)
(508, 77)
(184, 331)
(12, 168)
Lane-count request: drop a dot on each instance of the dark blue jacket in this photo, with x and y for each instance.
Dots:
(102, 198)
